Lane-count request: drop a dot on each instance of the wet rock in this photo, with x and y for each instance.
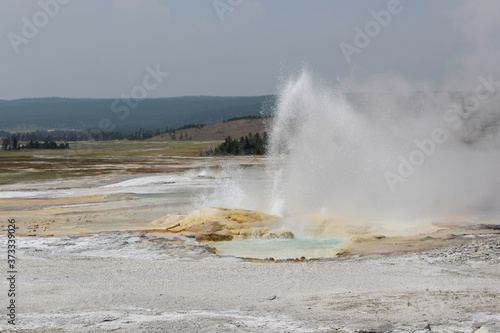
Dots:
(343, 253)
(213, 237)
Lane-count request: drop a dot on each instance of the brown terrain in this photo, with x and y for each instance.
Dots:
(91, 260)
(234, 129)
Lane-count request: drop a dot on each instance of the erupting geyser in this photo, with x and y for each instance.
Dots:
(387, 155)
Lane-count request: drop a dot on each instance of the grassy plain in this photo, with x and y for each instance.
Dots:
(97, 158)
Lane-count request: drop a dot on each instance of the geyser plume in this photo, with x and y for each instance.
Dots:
(383, 154)
(389, 155)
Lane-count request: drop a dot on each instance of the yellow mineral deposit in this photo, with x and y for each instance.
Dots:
(221, 224)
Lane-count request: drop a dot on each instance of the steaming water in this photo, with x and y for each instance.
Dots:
(332, 149)
(281, 248)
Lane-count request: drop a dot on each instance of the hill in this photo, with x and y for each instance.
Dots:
(71, 113)
(234, 129)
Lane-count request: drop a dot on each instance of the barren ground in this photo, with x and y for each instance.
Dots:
(90, 262)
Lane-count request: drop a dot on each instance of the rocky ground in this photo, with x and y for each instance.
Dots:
(485, 248)
(136, 277)
(139, 282)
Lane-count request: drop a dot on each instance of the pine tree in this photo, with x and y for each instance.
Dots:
(5, 143)
(14, 142)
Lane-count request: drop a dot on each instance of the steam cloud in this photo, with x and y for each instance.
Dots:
(337, 150)
(387, 151)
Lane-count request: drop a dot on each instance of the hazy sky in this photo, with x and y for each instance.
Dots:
(102, 48)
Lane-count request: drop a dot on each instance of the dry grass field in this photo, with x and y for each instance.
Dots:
(130, 157)
(98, 158)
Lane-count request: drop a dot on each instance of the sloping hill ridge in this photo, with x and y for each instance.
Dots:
(71, 113)
(235, 129)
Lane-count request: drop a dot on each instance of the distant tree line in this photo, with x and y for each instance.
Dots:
(57, 135)
(12, 143)
(172, 132)
(42, 136)
(141, 134)
(248, 145)
(98, 135)
(187, 126)
(248, 117)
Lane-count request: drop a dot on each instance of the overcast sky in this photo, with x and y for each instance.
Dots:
(102, 48)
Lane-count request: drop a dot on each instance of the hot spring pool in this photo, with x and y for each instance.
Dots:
(281, 248)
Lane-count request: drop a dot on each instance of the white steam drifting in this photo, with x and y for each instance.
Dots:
(381, 154)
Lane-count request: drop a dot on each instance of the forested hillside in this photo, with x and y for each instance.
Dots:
(69, 113)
